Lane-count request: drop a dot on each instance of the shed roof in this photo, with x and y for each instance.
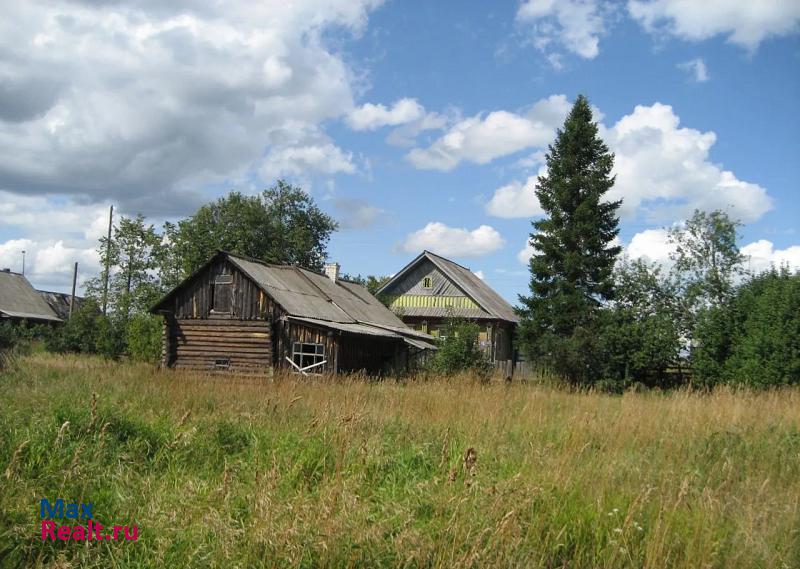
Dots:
(18, 299)
(416, 339)
(492, 303)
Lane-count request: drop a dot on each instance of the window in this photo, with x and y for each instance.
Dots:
(222, 363)
(223, 294)
(427, 282)
(304, 355)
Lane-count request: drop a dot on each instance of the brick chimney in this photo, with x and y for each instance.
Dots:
(332, 271)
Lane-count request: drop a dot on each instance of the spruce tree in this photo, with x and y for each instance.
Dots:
(573, 260)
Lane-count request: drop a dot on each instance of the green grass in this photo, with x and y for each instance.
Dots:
(227, 472)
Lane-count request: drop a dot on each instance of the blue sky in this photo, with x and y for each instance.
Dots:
(416, 124)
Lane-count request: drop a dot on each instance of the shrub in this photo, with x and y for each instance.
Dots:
(143, 337)
(755, 338)
(459, 350)
(88, 332)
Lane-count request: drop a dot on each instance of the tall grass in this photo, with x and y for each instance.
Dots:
(227, 472)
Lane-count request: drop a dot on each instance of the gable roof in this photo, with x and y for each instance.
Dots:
(467, 281)
(18, 299)
(304, 294)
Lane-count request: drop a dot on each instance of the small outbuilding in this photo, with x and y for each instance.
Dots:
(241, 314)
(20, 301)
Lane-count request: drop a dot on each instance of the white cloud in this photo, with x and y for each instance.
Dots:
(516, 199)
(458, 242)
(373, 117)
(406, 134)
(652, 245)
(525, 254)
(762, 255)
(143, 102)
(573, 25)
(480, 275)
(482, 138)
(696, 68)
(49, 263)
(298, 160)
(60, 233)
(356, 213)
(744, 22)
(663, 172)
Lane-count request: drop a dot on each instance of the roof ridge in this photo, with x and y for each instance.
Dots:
(447, 260)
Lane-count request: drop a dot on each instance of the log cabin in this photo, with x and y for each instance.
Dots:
(431, 289)
(238, 314)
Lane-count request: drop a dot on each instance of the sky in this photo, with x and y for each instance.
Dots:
(415, 124)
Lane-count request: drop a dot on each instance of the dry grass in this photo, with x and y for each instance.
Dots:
(221, 471)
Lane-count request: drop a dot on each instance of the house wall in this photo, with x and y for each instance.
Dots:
(494, 336)
(342, 352)
(218, 344)
(411, 284)
(195, 337)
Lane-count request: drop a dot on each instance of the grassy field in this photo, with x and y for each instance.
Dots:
(238, 473)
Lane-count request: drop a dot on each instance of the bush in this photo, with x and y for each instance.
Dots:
(640, 331)
(754, 339)
(87, 332)
(143, 337)
(459, 350)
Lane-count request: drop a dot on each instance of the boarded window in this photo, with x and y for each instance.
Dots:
(223, 294)
(427, 282)
(304, 355)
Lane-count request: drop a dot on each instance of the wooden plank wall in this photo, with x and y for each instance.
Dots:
(374, 355)
(290, 332)
(249, 301)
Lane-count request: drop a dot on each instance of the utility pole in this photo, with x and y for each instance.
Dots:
(23, 262)
(108, 261)
(74, 281)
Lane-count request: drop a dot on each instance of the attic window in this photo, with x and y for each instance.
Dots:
(223, 294)
(427, 282)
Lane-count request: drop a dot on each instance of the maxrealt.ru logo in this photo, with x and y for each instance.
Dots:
(78, 512)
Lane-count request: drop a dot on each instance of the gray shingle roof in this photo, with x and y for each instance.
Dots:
(311, 295)
(314, 298)
(18, 299)
(483, 295)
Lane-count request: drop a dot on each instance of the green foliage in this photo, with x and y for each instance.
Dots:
(459, 350)
(87, 332)
(707, 263)
(753, 339)
(573, 260)
(282, 225)
(135, 252)
(143, 336)
(641, 337)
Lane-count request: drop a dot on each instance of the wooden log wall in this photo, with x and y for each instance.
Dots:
(201, 344)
